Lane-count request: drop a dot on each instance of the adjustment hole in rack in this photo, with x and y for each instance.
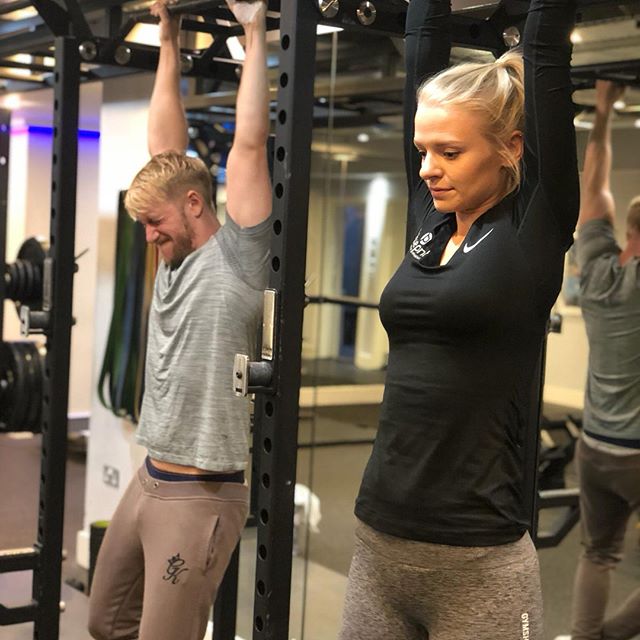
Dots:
(266, 480)
(267, 445)
(275, 263)
(264, 516)
(285, 41)
(262, 552)
(277, 227)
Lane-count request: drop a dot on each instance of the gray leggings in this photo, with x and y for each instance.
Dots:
(406, 590)
(163, 557)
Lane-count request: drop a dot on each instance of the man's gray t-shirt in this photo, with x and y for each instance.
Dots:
(202, 314)
(610, 301)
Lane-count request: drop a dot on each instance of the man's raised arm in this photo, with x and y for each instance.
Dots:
(248, 181)
(596, 199)
(167, 125)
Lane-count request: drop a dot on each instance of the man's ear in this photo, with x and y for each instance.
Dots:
(194, 203)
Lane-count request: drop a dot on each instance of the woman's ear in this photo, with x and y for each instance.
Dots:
(516, 145)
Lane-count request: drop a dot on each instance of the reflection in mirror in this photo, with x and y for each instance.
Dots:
(601, 302)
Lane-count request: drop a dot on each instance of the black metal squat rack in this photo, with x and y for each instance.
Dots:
(54, 321)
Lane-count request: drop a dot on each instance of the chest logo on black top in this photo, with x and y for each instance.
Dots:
(470, 247)
(417, 248)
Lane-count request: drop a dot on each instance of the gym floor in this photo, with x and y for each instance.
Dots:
(319, 571)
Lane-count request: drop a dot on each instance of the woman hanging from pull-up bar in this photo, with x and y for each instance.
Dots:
(442, 549)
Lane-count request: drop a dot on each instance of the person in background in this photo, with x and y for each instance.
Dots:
(608, 453)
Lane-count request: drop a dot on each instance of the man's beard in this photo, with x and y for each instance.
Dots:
(183, 244)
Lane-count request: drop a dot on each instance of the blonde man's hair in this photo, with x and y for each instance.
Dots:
(633, 215)
(167, 176)
(495, 90)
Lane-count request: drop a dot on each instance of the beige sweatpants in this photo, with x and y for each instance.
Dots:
(163, 557)
(609, 495)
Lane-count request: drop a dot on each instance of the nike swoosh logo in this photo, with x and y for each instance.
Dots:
(468, 247)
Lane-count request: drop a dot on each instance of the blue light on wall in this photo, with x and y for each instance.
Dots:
(48, 131)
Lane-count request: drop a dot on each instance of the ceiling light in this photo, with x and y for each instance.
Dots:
(21, 14)
(363, 137)
(323, 29)
(22, 58)
(235, 48)
(582, 124)
(12, 101)
(203, 41)
(636, 124)
(144, 33)
(576, 36)
(619, 105)
(345, 157)
(49, 62)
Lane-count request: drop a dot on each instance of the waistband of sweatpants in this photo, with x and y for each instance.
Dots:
(194, 489)
(599, 456)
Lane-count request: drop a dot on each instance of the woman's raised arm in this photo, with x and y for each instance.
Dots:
(550, 159)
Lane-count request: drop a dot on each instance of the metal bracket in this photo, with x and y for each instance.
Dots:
(32, 322)
(270, 305)
(249, 377)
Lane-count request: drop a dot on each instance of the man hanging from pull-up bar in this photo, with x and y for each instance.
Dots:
(172, 535)
(608, 454)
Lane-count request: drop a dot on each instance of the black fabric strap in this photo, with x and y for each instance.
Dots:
(170, 476)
